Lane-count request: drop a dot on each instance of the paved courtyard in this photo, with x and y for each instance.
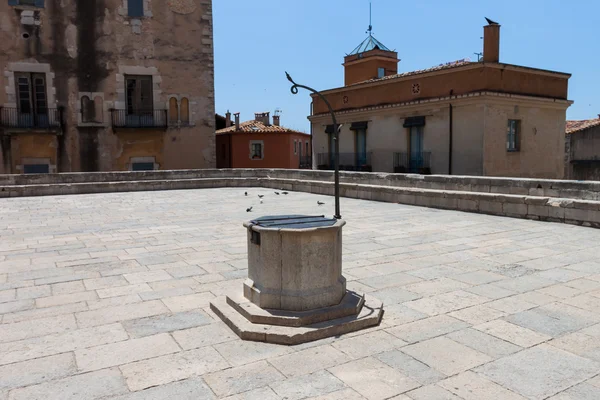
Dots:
(107, 297)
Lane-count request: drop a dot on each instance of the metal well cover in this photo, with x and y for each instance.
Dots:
(294, 221)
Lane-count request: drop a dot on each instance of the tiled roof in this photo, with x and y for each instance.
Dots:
(258, 127)
(576, 126)
(420, 71)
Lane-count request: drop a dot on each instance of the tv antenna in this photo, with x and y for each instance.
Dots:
(478, 56)
(278, 112)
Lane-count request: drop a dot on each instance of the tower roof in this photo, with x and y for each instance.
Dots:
(370, 43)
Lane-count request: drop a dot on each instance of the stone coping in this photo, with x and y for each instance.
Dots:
(585, 190)
(566, 209)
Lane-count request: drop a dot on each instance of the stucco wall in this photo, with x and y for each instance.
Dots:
(89, 46)
(583, 161)
(461, 80)
(541, 152)
(278, 150)
(479, 135)
(467, 139)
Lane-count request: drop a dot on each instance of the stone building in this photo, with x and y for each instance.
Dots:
(258, 143)
(99, 85)
(582, 161)
(463, 117)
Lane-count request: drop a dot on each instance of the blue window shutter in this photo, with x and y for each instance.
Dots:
(136, 8)
(13, 2)
(39, 3)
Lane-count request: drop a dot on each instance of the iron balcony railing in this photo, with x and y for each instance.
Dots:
(414, 163)
(46, 118)
(348, 161)
(151, 119)
(305, 162)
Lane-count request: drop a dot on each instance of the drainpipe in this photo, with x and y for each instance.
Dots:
(450, 137)
(312, 159)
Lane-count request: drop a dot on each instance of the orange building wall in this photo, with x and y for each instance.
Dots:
(367, 69)
(278, 150)
(433, 85)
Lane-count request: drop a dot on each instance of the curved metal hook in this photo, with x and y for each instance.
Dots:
(294, 90)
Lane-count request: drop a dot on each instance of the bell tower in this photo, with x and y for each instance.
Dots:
(369, 60)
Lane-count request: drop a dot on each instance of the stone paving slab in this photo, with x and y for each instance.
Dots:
(476, 306)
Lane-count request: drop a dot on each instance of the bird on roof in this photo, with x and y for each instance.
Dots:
(489, 21)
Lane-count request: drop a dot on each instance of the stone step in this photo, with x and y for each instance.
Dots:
(370, 315)
(351, 304)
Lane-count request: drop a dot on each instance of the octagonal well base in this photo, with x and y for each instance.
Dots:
(368, 313)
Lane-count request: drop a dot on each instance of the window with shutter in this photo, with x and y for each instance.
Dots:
(135, 8)
(513, 135)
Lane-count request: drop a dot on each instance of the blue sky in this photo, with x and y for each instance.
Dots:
(257, 41)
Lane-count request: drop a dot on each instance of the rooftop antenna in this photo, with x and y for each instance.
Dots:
(370, 30)
(278, 112)
(478, 56)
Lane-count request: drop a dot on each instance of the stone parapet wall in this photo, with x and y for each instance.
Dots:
(583, 190)
(574, 210)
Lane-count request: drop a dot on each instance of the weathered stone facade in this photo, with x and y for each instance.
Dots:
(87, 54)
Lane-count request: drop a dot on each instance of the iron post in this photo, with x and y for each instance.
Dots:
(336, 133)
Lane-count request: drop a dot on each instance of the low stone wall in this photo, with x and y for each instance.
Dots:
(569, 210)
(583, 190)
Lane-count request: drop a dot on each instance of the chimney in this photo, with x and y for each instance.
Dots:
(263, 117)
(276, 120)
(491, 42)
(227, 119)
(237, 121)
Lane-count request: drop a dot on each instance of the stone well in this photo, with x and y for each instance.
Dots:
(295, 263)
(295, 291)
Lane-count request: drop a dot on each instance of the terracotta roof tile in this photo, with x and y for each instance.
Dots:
(420, 71)
(576, 126)
(258, 127)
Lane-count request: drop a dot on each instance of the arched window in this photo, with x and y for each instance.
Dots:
(173, 111)
(88, 112)
(98, 109)
(185, 111)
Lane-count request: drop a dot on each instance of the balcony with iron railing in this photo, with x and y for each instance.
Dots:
(46, 119)
(413, 163)
(348, 161)
(305, 162)
(152, 119)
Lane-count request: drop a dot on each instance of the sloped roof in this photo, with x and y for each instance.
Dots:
(440, 67)
(370, 43)
(576, 126)
(258, 127)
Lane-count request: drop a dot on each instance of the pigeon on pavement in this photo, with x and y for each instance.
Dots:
(261, 196)
(248, 209)
(246, 193)
(284, 192)
(277, 193)
(320, 203)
